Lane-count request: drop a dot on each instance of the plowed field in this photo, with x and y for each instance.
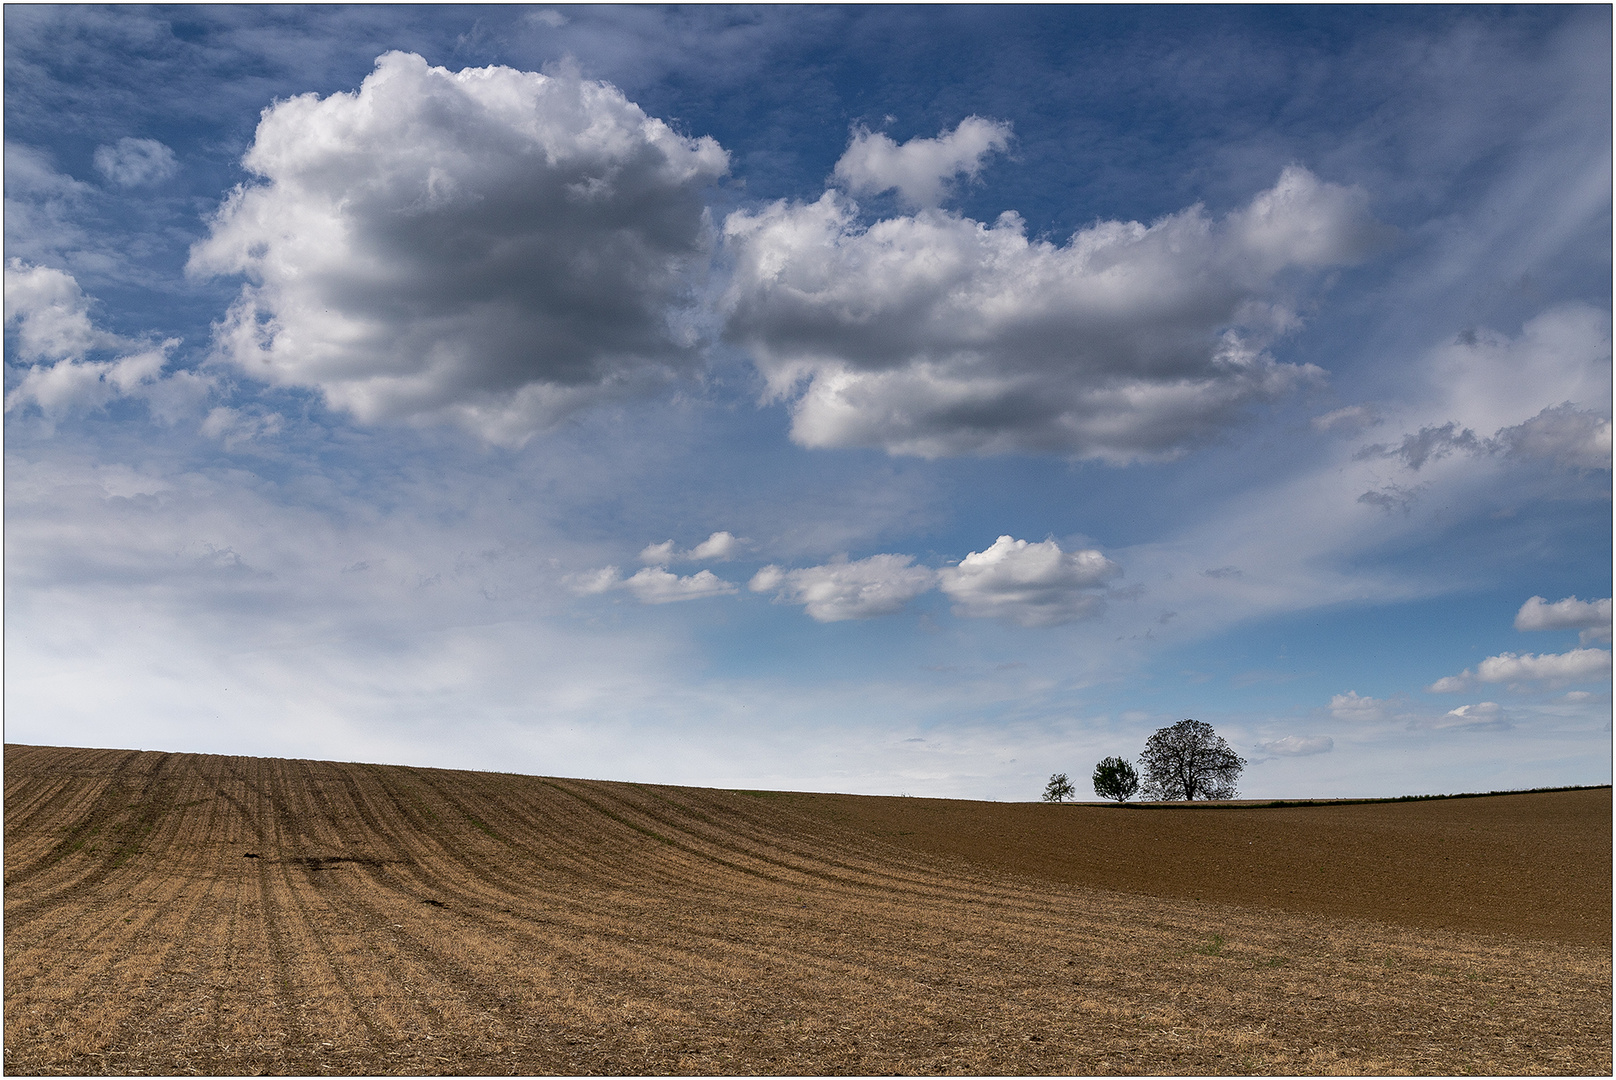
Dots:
(177, 913)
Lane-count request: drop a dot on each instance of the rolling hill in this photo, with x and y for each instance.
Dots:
(184, 913)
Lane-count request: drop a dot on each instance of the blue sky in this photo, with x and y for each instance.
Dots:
(862, 399)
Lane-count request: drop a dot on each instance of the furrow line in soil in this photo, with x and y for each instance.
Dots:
(111, 801)
(99, 995)
(169, 955)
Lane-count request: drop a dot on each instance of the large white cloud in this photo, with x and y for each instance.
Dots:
(1029, 584)
(491, 246)
(935, 334)
(1578, 665)
(920, 169)
(1592, 617)
(863, 589)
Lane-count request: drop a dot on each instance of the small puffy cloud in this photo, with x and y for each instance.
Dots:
(490, 247)
(878, 585)
(1561, 434)
(651, 585)
(1026, 583)
(937, 335)
(1350, 706)
(767, 579)
(1297, 745)
(1592, 617)
(720, 546)
(594, 582)
(1484, 716)
(920, 169)
(658, 554)
(1578, 665)
(51, 314)
(135, 162)
(654, 585)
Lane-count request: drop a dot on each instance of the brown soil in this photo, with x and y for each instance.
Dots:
(175, 913)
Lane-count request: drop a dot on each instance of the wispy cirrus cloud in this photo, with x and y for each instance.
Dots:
(1297, 745)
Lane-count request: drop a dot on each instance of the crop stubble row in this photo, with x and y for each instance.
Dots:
(400, 920)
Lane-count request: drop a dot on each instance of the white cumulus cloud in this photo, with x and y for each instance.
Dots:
(720, 546)
(51, 316)
(652, 584)
(919, 169)
(1026, 583)
(1592, 617)
(1578, 665)
(936, 335)
(134, 162)
(878, 585)
(490, 247)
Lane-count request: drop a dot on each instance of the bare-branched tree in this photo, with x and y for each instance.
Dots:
(1190, 761)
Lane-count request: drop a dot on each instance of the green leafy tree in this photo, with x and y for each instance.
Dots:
(1190, 761)
(1059, 788)
(1115, 779)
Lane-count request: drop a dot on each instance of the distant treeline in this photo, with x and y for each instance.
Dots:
(1356, 802)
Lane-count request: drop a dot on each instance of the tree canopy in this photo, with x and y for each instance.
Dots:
(1059, 788)
(1190, 761)
(1115, 779)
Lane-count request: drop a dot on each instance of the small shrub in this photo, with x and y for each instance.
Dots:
(1059, 788)
(1115, 779)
